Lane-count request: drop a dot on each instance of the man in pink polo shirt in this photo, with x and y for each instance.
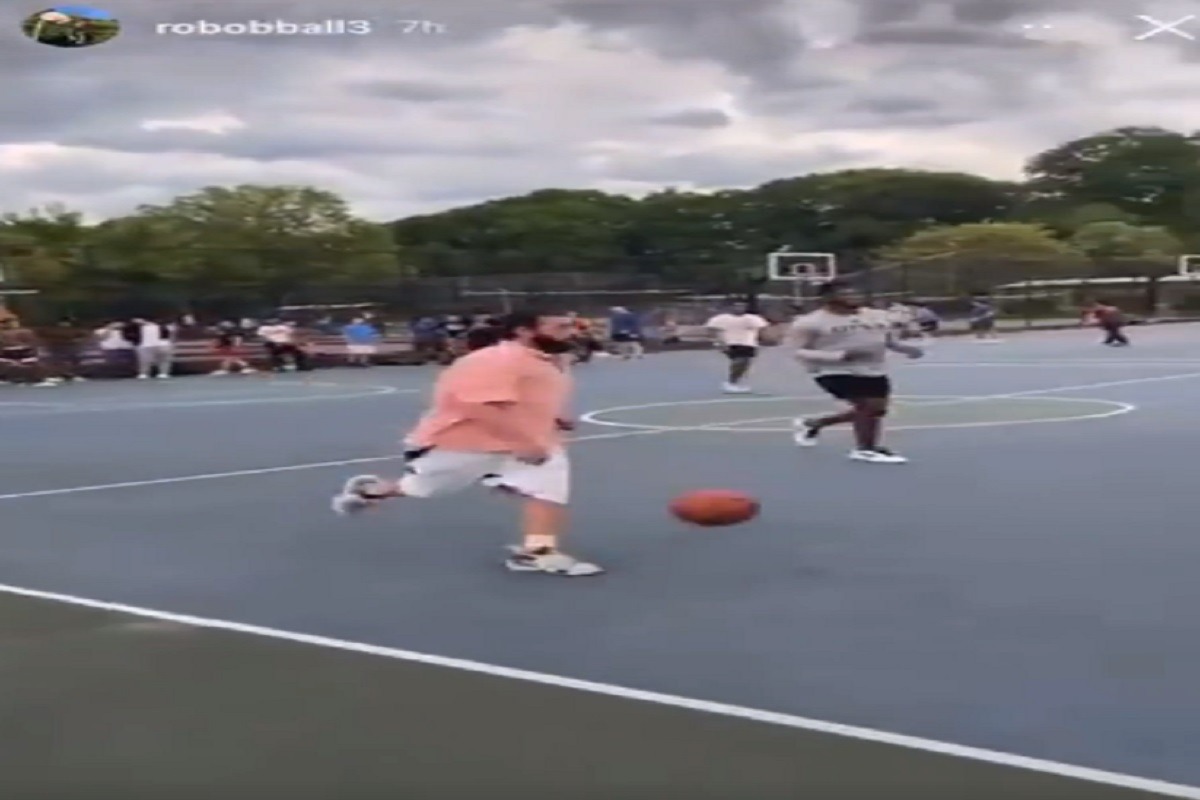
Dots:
(497, 418)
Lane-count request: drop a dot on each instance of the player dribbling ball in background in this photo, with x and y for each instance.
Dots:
(1109, 319)
(844, 345)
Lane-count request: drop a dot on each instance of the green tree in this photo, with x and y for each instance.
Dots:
(861, 210)
(1152, 174)
(41, 247)
(553, 230)
(1122, 247)
(951, 259)
(704, 239)
(276, 240)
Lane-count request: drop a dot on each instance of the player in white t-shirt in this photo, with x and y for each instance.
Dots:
(738, 333)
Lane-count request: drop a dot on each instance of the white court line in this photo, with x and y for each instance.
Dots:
(704, 706)
(1076, 388)
(118, 405)
(241, 473)
(1113, 409)
(592, 438)
(590, 417)
(1009, 760)
(1163, 362)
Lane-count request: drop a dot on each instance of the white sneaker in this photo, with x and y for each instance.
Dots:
(219, 372)
(550, 562)
(735, 388)
(46, 384)
(164, 377)
(143, 377)
(877, 456)
(804, 434)
(356, 495)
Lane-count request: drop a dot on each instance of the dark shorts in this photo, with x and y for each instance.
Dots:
(930, 327)
(626, 337)
(741, 351)
(856, 387)
(20, 355)
(983, 325)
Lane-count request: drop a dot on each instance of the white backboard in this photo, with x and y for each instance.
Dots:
(786, 265)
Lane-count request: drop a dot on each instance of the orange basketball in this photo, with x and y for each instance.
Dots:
(715, 507)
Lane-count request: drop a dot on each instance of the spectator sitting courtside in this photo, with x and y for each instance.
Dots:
(20, 361)
(429, 340)
(283, 346)
(116, 350)
(65, 342)
(230, 346)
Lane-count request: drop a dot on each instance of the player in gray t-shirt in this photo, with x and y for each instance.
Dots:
(844, 344)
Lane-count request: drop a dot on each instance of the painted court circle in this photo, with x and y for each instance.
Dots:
(926, 412)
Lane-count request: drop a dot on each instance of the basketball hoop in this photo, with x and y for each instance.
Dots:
(784, 265)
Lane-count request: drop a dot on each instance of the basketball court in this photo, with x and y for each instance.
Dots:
(1011, 614)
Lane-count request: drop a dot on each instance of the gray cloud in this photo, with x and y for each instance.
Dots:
(695, 118)
(417, 91)
(518, 95)
(945, 35)
(724, 168)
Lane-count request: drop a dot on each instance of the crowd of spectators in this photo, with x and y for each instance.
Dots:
(150, 348)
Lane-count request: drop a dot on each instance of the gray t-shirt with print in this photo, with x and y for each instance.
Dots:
(823, 338)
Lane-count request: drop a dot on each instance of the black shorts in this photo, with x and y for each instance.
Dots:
(856, 387)
(20, 355)
(741, 351)
(930, 327)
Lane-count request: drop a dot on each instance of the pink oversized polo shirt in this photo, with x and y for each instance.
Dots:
(529, 383)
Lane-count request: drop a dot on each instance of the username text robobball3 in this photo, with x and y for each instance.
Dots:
(268, 27)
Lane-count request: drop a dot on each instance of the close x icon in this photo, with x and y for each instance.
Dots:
(1158, 27)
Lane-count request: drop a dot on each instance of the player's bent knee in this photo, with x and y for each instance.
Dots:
(871, 408)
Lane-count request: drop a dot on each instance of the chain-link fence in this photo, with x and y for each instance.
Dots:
(1035, 293)
(97, 284)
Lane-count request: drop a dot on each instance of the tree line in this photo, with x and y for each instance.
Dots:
(1117, 201)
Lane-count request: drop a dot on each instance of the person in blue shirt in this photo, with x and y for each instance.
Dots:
(362, 342)
(626, 333)
(928, 322)
(429, 339)
(982, 319)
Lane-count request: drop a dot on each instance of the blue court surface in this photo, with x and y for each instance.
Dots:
(1011, 614)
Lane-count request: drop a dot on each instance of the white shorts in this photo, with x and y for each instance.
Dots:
(437, 472)
(361, 349)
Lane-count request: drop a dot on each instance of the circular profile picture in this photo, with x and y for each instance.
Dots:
(71, 26)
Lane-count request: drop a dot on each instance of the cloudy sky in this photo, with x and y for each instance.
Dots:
(450, 102)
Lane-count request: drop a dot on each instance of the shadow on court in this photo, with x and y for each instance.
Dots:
(103, 704)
